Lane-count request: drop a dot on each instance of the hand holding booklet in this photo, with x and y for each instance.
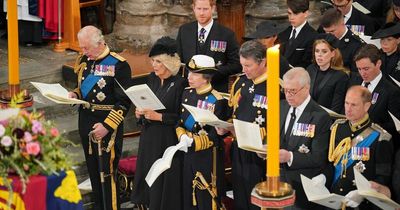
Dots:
(206, 117)
(379, 199)
(248, 136)
(143, 97)
(56, 93)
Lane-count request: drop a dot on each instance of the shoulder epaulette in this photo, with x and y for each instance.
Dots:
(338, 121)
(117, 56)
(217, 95)
(383, 134)
(356, 37)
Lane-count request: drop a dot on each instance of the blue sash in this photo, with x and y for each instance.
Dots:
(91, 79)
(189, 121)
(364, 143)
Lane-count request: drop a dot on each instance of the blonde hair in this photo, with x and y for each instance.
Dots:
(336, 61)
(172, 63)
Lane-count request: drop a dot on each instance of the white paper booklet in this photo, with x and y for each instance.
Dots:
(368, 40)
(395, 81)
(56, 93)
(143, 97)
(163, 163)
(321, 195)
(361, 8)
(379, 199)
(333, 113)
(248, 136)
(207, 117)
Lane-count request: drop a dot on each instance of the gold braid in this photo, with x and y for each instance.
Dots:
(341, 150)
(234, 96)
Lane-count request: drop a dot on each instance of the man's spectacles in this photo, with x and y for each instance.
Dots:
(341, 5)
(292, 92)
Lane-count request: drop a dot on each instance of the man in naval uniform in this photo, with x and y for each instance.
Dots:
(357, 144)
(100, 121)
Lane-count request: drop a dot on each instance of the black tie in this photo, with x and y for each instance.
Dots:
(201, 36)
(366, 84)
(293, 37)
(291, 122)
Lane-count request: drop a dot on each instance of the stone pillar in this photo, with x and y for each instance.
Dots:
(139, 23)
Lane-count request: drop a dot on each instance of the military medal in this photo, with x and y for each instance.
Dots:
(100, 96)
(104, 70)
(101, 83)
(365, 153)
(360, 167)
(303, 149)
(251, 89)
(397, 66)
(218, 46)
(260, 119)
(375, 98)
(303, 129)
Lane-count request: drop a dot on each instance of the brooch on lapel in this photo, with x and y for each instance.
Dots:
(375, 98)
(101, 83)
(303, 149)
(360, 167)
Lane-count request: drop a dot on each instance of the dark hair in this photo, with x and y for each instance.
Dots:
(298, 6)
(331, 17)
(368, 51)
(253, 49)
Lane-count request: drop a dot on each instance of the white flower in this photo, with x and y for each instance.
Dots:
(6, 141)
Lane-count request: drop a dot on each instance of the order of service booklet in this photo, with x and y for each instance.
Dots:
(143, 97)
(248, 136)
(207, 117)
(379, 199)
(321, 195)
(56, 93)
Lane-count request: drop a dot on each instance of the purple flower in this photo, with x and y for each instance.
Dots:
(18, 132)
(36, 127)
(33, 148)
(27, 136)
(6, 141)
(2, 130)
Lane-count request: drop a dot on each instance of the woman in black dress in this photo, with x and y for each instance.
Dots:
(328, 76)
(158, 131)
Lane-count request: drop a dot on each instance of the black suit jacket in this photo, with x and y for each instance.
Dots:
(330, 92)
(359, 18)
(348, 46)
(309, 164)
(387, 100)
(227, 61)
(300, 51)
(378, 8)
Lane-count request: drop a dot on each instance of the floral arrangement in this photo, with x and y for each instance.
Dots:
(30, 145)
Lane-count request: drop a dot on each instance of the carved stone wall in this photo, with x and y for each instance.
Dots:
(139, 23)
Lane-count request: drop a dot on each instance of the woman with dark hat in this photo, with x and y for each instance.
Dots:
(389, 36)
(158, 131)
(328, 76)
(203, 160)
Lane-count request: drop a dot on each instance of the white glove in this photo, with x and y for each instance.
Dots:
(186, 142)
(353, 199)
(319, 180)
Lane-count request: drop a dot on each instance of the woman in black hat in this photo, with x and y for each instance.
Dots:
(328, 77)
(389, 36)
(158, 131)
(204, 151)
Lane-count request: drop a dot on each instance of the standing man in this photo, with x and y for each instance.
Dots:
(207, 37)
(304, 135)
(357, 21)
(385, 95)
(297, 39)
(100, 121)
(358, 144)
(248, 101)
(332, 22)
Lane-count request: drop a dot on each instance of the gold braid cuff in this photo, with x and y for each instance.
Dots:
(179, 132)
(263, 133)
(114, 118)
(202, 142)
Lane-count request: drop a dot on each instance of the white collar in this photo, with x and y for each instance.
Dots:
(302, 106)
(348, 15)
(344, 34)
(298, 28)
(374, 82)
(207, 27)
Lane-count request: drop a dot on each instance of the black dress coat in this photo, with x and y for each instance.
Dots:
(226, 58)
(359, 18)
(331, 90)
(348, 46)
(387, 99)
(309, 163)
(391, 65)
(299, 53)
(156, 136)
